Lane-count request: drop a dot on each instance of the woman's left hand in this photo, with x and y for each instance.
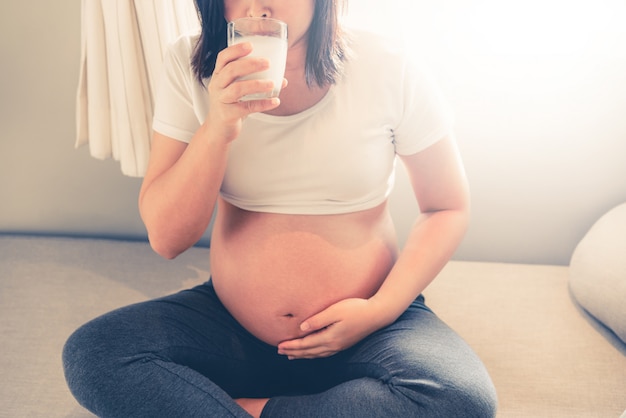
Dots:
(336, 328)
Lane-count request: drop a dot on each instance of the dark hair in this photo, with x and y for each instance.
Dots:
(326, 51)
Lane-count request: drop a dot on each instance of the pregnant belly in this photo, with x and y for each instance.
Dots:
(271, 282)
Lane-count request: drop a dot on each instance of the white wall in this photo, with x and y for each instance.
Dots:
(541, 125)
(539, 91)
(45, 184)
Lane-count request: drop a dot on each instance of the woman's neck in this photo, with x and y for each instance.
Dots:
(298, 96)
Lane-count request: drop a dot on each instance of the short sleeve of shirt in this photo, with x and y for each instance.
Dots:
(175, 113)
(426, 117)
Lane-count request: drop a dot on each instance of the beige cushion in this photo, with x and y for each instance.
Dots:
(598, 271)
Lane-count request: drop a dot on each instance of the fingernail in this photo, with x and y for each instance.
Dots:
(304, 326)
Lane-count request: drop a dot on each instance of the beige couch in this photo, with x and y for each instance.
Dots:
(547, 357)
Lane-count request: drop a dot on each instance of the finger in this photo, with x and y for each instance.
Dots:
(319, 321)
(230, 54)
(314, 351)
(310, 356)
(237, 70)
(301, 344)
(261, 105)
(315, 344)
(318, 352)
(239, 89)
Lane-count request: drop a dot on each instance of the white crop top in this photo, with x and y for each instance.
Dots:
(335, 157)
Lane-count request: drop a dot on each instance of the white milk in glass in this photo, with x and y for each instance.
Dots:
(275, 50)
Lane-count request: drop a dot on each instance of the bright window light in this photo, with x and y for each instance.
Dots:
(541, 27)
(517, 70)
(504, 27)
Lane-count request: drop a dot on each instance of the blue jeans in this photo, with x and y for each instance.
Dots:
(184, 355)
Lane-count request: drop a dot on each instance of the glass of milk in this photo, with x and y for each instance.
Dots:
(269, 40)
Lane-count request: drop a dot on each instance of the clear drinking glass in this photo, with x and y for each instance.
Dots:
(269, 40)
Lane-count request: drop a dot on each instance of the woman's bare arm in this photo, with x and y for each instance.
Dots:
(179, 191)
(442, 191)
(180, 188)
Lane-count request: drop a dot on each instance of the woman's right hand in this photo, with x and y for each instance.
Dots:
(226, 110)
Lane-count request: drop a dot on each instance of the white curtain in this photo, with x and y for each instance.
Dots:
(123, 43)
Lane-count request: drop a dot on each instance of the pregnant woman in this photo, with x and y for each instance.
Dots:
(311, 310)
